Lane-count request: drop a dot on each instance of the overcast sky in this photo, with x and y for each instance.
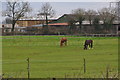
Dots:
(66, 6)
(67, 0)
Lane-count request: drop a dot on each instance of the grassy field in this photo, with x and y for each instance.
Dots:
(48, 59)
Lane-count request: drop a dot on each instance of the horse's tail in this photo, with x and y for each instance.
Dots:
(91, 44)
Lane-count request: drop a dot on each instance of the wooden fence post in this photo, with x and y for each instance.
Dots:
(28, 68)
(54, 78)
(84, 65)
(107, 72)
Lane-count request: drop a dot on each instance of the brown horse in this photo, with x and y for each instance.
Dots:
(88, 43)
(63, 41)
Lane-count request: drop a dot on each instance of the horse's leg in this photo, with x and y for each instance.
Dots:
(85, 48)
(61, 43)
(92, 44)
(88, 46)
(65, 43)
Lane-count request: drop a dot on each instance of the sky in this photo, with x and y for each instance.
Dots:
(67, 0)
(66, 6)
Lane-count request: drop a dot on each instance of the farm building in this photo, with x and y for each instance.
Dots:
(6, 29)
(62, 26)
(23, 26)
(30, 22)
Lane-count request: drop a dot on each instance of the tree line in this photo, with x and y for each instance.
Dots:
(105, 16)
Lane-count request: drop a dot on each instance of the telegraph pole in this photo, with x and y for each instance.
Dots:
(117, 6)
(118, 15)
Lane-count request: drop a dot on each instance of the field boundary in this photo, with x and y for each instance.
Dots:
(84, 35)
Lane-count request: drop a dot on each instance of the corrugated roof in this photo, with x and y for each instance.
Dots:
(39, 25)
(63, 19)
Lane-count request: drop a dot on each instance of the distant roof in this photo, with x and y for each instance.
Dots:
(33, 19)
(37, 19)
(60, 24)
(63, 19)
(39, 25)
(20, 27)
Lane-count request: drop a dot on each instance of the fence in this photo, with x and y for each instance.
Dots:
(84, 35)
(99, 35)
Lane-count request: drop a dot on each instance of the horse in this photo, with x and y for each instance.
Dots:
(88, 43)
(63, 41)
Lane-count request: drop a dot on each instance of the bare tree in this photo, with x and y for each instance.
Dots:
(96, 24)
(80, 16)
(15, 10)
(46, 11)
(8, 21)
(90, 14)
(72, 24)
(107, 16)
(113, 14)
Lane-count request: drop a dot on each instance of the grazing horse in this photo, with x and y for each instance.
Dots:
(63, 41)
(88, 43)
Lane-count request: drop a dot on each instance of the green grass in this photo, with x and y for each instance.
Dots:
(48, 59)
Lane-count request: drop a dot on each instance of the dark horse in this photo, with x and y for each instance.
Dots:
(63, 41)
(88, 43)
